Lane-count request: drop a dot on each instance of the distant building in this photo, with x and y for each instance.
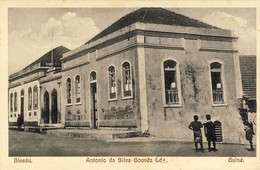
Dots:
(151, 70)
(34, 92)
(248, 76)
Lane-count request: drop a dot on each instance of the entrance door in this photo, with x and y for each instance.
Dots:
(22, 105)
(93, 93)
(46, 112)
(54, 107)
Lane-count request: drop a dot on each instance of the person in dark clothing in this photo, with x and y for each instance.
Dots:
(19, 123)
(196, 126)
(249, 133)
(209, 128)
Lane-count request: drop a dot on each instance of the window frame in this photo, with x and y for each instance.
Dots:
(109, 84)
(11, 102)
(178, 83)
(77, 90)
(15, 101)
(68, 91)
(35, 97)
(122, 80)
(29, 98)
(222, 79)
(94, 80)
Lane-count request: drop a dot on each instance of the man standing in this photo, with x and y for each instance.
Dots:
(249, 133)
(19, 123)
(196, 126)
(209, 128)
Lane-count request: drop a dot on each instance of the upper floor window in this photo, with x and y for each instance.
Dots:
(216, 83)
(127, 79)
(68, 87)
(30, 98)
(22, 93)
(112, 82)
(11, 102)
(15, 102)
(77, 88)
(93, 76)
(170, 82)
(35, 97)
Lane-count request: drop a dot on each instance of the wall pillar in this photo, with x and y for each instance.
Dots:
(142, 84)
(239, 90)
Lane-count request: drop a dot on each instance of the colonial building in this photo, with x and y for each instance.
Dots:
(151, 70)
(34, 92)
(248, 75)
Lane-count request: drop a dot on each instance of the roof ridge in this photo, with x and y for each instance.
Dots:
(45, 55)
(152, 15)
(145, 13)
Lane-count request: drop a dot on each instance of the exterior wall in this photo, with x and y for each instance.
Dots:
(196, 93)
(111, 113)
(74, 114)
(26, 78)
(146, 47)
(31, 117)
(49, 84)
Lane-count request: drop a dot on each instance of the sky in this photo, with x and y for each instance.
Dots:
(32, 32)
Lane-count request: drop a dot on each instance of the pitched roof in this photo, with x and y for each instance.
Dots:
(46, 58)
(155, 16)
(248, 75)
(43, 61)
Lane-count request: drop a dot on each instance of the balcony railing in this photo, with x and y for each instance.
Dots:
(218, 97)
(172, 96)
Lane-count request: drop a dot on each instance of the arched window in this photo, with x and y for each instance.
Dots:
(216, 83)
(15, 102)
(170, 82)
(127, 79)
(11, 102)
(30, 98)
(68, 85)
(22, 93)
(35, 97)
(77, 88)
(93, 76)
(112, 82)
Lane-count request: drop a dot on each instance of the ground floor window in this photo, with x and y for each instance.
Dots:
(127, 79)
(112, 82)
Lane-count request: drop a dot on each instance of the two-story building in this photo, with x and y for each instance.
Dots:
(152, 70)
(34, 92)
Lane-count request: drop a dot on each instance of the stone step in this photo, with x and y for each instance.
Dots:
(94, 134)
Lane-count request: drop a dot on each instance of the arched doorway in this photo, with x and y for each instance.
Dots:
(46, 111)
(54, 107)
(93, 100)
(22, 104)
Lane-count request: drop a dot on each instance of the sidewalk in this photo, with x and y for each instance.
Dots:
(94, 134)
(36, 144)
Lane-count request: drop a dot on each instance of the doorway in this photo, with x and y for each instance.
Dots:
(54, 107)
(46, 111)
(93, 103)
(22, 105)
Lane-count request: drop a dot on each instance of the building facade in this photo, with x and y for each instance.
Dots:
(34, 91)
(151, 70)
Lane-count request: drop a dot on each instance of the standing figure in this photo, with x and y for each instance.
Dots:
(196, 126)
(249, 133)
(19, 123)
(209, 128)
